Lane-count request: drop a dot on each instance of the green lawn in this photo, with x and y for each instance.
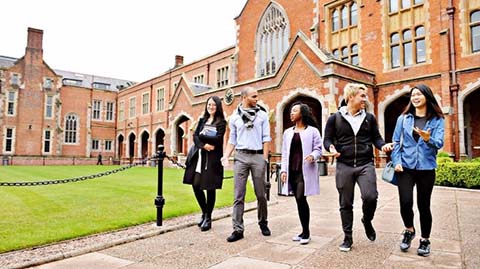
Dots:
(32, 216)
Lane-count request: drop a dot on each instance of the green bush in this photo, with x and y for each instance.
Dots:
(443, 154)
(458, 174)
(444, 160)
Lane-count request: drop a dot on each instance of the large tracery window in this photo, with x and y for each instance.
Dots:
(272, 40)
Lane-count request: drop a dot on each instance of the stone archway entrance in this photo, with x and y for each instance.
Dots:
(144, 151)
(313, 103)
(471, 125)
(120, 146)
(392, 111)
(159, 139)
(181, 130)
(131, 146)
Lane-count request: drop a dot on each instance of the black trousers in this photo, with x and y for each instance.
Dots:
(424, 179)
(345, 179)
(298, 188)
(206, 203)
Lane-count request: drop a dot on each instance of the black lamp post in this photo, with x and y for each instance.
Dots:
(159, 201)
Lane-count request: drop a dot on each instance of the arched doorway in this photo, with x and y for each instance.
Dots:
(120, 146)
(145, 136)
(159, 139)
(311, 102)
(392, 111)
(131, 146)
(471, 123)
(181, 130)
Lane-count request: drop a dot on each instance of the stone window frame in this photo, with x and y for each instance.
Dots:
(49, 105)
(351, 8)
(160, 99)
(10, 139)
(272, 39)
(11, 103)
(402, 19)
(223, 76)
(472, 25)
(46, 140)
(96, 145)
(121, 111)
(199, 79)
(72, 135)
(412, 41)
(145, 103)
(109, 110)
(97, 110)
(108, 146)
(132, 107)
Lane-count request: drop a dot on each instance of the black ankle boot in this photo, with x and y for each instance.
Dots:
(202, 219)
(207, 223)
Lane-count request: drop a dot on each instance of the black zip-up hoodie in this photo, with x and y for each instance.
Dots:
(354, 150)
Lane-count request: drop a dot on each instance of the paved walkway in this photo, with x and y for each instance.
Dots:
(455, 238)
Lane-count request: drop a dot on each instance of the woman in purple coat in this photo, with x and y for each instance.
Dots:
(302, 146)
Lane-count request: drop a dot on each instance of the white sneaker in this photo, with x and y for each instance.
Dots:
(304, 241)
(296, 238)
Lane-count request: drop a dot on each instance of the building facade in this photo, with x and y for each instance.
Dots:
(54, 114)
(304, 50)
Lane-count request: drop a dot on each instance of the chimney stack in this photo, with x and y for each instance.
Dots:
(34, 50)
(178, 61)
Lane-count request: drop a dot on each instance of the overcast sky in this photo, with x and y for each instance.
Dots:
(134, 40)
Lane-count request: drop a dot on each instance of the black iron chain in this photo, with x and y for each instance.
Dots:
(63, 181)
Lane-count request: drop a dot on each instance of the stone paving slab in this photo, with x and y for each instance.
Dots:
(91, 260)
(455, 238)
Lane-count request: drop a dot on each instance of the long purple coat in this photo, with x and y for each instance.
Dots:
(311, 145)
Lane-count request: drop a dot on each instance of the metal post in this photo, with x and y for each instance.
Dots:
(159, 201)
(267, 182)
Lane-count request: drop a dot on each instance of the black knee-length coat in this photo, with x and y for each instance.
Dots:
(211, 167)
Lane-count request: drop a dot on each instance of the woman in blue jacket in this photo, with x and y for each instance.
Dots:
(417, 137)
(302, 146)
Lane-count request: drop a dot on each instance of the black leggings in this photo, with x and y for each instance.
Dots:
(424, 179)
(206, 203)
(298, 188)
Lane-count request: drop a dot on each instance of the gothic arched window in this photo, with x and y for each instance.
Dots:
(272, 40)
(71, 129)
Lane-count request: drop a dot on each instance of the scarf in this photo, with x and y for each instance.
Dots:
(248, 115)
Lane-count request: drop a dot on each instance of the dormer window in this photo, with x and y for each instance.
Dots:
(72, 82)
(101, 86)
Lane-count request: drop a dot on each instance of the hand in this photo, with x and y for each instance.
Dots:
(283, 177)
(333, 150)
(310, 158)
(424, 134)
(224, 160)
(398, 168)
(387, 147)
(208, 147)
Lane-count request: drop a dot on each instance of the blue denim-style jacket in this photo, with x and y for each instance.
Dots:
(419, 155)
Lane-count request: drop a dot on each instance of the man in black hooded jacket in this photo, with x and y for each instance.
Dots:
(350, 135)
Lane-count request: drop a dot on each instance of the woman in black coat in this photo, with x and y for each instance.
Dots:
(207, 174)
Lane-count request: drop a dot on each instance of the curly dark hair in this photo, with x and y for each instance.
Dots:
(306, 113)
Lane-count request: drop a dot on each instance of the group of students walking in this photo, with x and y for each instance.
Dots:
(350, 135)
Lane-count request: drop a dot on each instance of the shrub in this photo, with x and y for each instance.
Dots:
(458, 174)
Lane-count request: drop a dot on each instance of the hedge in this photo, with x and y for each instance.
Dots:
(458, 174)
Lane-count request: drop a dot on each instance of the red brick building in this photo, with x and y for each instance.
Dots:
(308, 50)
(55, 114)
